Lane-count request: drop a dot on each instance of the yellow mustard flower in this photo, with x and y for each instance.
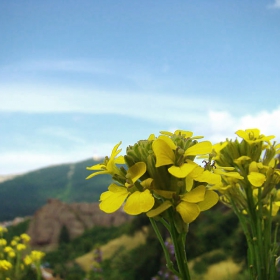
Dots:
(37, 255)
(190, 204)
(21, 247)
(25, 237)
(253, 136)
(2, 230)
(109, 165)
(14, 243)
(136, 201)
(255, 177)
(10, 251)
(3, 242)
(5, 265)
(27, 260)
(167, 153)
(197, 200)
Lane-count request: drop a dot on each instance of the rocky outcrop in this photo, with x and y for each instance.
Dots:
(46, 225)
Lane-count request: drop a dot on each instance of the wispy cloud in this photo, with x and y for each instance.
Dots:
(149, 106)
(275, 5)
(67, 65)
(215, 126)
(69, 135)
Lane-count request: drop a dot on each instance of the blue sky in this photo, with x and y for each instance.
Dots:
(77, 77)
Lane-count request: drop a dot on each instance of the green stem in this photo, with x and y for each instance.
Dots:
(169, 263)
(179, 249)
(250, 253)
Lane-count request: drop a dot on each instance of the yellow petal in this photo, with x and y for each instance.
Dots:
(115, 150)
(188, 211)
(139, 202)
(186, 134)
(208, 177)
(147, 183)
(210, 199)
(235, 175)
(165, 194)
(152, 137)
(168, 141)
(245, 134)
(204, 147)
(113, 199)
(97, 173)
(189, 183)
(155, 212)
(253, 167)
(195, 195)
(166, 133)
(181, 171)
(99, 166)
(119, 160)
(242, 158)
(164, 154)
(256, 179)
(196, 172)
(136, 171)
(219, 146)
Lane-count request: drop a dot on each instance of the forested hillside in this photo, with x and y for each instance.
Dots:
(24, 194)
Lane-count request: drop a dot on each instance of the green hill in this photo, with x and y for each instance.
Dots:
(24, 194)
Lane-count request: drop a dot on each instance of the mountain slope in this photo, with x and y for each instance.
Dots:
(24, 194)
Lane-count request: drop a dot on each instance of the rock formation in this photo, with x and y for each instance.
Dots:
(46, 225)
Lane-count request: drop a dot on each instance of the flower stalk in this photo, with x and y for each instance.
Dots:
(254, 159)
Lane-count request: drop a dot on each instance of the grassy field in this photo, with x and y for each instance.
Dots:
(124, 242)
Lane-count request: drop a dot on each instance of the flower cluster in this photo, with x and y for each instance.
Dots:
(254, 159)
(16, 258)
(161, 174)
(253, 194)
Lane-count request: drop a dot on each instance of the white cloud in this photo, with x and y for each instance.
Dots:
(81, 66)
(275, 5)
(25, 161)
(223, 124)
(148, 106)
(203, 117)
(216, 126)
(62, 134)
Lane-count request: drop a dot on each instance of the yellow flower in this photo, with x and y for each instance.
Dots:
(190, 204)
(255, 177)
(3, 229)
(5, 265)
(136, 202)
(198, 199)
(109, 165)
(253, 136)
(10, 251)
(37, 255)
(3, 242)
(21, 247)
(14, 243)
(25, 237)
(27, 260)
(33, 257)
(167, 153)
